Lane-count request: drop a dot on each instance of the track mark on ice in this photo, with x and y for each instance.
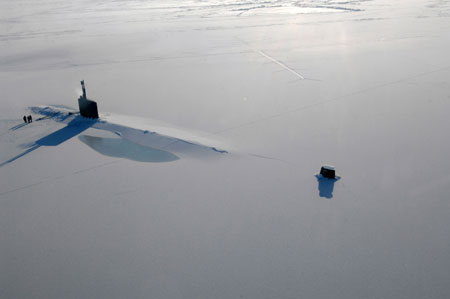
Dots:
(276, 61)
(270, 158)
(94, 167)
(280, 64)
(52, 179)
(336, 99)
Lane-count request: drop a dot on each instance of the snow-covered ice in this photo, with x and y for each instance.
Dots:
(198, 180)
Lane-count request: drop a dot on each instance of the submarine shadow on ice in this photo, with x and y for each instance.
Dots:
(134, 144)
(77, 125)
(122, 148)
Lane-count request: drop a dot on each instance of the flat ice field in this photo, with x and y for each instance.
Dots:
(198, 180)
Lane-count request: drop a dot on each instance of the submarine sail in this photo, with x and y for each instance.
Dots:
(88, 108)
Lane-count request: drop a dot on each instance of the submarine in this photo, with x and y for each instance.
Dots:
(88, 108)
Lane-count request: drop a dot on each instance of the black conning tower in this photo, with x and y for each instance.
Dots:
(88, 108)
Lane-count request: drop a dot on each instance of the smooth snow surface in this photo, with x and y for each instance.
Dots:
(198, 181)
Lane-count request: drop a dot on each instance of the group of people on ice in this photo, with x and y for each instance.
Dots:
(27, 119)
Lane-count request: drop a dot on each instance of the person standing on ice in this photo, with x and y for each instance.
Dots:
(29, 119)
(25, 119)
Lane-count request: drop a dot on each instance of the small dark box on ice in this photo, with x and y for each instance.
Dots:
(328, 172)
